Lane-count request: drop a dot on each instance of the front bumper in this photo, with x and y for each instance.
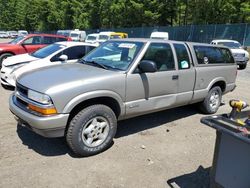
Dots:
(7, 78)
(47, 126)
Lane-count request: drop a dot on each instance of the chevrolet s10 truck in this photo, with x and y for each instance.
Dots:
(120, 79)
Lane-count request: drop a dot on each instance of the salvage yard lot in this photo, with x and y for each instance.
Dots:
(147, 150)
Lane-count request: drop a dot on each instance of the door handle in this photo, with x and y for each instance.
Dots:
(175, 77)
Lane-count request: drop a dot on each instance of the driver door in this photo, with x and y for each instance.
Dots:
(148, 92)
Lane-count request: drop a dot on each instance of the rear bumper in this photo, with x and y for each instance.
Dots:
(49, 126)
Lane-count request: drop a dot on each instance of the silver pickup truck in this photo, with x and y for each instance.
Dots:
(118, 80)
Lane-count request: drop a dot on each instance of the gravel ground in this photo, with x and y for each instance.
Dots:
(147, 151)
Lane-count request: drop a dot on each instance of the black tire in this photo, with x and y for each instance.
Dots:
(210, 106)
(4, 56)
(83, 121)
(241, 67)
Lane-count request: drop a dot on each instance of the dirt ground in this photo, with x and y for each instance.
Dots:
(147, 151)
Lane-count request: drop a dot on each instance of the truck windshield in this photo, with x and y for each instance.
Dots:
(16, 40)
(230, 44)
(48, 50)
(115, 54)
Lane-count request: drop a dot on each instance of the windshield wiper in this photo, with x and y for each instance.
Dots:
(95, 64)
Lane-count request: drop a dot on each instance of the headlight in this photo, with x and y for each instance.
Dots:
(39, 97)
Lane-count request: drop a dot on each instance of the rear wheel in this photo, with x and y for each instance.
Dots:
(92, 130)
(4, 56)
(212, 102)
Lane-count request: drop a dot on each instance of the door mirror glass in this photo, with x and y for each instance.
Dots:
(147, 66)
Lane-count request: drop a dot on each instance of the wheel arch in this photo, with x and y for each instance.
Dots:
(220, 82)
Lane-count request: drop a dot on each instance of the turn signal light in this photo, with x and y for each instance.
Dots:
(43, 111)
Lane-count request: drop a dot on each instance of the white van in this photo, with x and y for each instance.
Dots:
(104, 36)
(77, 35)
(159, 35)
(92, 38)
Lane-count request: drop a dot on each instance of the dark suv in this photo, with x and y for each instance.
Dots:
(28, 44)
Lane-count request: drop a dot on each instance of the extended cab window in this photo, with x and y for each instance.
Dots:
(182, 56)
(212, 55)
(162, 55)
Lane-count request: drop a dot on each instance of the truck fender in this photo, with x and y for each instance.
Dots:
(91, 95)
(215, 80)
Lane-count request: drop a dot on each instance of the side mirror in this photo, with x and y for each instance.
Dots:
(245, 48)
(147, 66)
(63, 58)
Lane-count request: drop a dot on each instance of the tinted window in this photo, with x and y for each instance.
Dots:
(212, 55)
(59, 39)
(75, 52)
(49, 40)
(182, 56)
(162, 55)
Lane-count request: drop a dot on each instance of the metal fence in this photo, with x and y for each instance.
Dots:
(195, 33)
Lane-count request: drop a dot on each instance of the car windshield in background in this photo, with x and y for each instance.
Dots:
(114, 54)
(74, 35)
(16, 40)
(103, 37)
(230, 44)
(91, 38)
(46, 51)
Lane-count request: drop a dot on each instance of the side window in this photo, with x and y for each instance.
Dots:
(59, 39)
(75, 52)
(208, 55)
(182, 56)
(162, 55)
(33, 40)
(49, 40)
(228, 57)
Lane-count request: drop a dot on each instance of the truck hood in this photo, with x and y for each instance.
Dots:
(58, 78)
(239, 51)
(18, 59)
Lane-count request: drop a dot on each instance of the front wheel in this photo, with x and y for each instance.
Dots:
(212, 102)
(241, 67)
(92, 130)
(4, 56)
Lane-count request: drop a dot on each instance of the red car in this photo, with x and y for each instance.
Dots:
(28, 44)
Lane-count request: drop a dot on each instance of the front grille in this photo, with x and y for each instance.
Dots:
(22, 90)
(239, 55)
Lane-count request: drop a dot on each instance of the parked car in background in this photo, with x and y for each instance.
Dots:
(65, 33)
(120, 79)
(12, 34)
(241, 56)
(28, 44)
(22, 32)
(77, 35)
(159, 35)
(60, 52)
(104, 36)
(3, 34)
(120, 35)
(92, 38)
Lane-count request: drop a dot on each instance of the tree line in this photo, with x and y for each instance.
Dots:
(51, 15)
